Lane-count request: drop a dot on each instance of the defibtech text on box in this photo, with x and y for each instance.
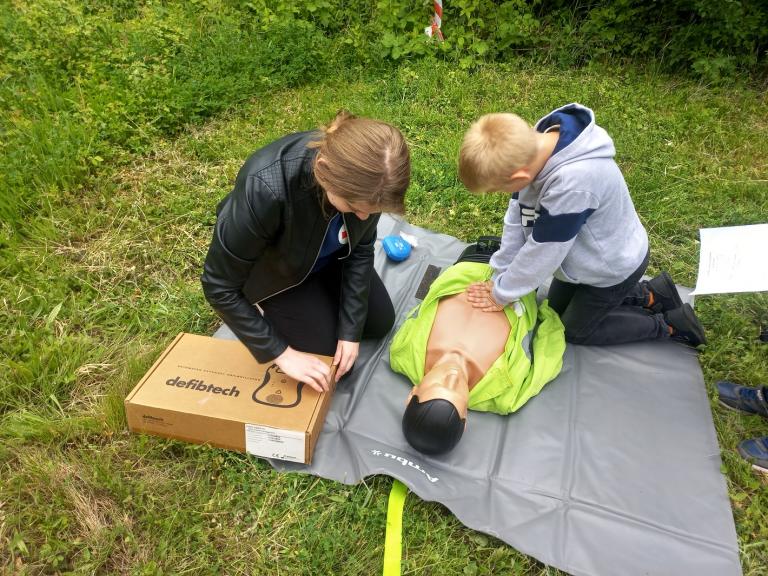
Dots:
(212, 391)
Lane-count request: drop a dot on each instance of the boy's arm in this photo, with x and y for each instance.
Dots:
(512, 239)
(562, 215)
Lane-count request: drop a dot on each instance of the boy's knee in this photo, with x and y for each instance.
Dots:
(576, 334)
(576, 338)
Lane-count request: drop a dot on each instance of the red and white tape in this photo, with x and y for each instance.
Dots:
(433, 30)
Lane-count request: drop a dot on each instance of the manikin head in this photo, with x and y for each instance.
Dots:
(436, 411)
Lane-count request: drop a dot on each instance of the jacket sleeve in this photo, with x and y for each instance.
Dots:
(356, 273)
(512, 239)
(239, 239)
(562, 213)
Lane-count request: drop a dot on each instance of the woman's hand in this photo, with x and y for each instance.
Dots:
(479, 294)
(305, 368)
(346, 354)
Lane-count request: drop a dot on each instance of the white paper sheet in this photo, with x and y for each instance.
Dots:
(733, 259)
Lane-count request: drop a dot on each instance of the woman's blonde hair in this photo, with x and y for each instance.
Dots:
(494, 147)
(365, 162)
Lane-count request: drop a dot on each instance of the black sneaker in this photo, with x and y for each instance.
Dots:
(686, 327)
(755, 452)
(751, 400)
(481, 251)
(665, 296)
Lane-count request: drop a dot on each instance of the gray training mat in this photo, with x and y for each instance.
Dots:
(612, 470)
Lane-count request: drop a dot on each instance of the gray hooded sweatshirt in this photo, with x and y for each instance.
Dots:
(575, 219)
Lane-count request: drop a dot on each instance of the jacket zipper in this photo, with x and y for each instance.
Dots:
(349, 239)
(327, 226)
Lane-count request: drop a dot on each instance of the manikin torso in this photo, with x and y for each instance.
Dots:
(466, 337)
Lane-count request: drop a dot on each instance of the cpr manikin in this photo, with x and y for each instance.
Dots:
(461, 358)
(463, 344)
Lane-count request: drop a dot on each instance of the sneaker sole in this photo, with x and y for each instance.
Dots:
(732, 409)
(739, 410)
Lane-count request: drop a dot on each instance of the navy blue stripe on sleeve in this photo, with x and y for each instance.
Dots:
(559, 227)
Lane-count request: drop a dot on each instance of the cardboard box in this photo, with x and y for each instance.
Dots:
(212, 391)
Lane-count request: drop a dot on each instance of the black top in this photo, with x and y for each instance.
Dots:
(268, 234)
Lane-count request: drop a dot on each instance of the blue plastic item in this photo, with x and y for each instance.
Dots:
(396, 248)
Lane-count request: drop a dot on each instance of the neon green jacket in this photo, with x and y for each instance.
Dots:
(512, 379)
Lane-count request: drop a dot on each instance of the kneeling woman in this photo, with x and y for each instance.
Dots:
(296, 236)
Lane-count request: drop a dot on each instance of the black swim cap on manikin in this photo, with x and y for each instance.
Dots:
(432, 427)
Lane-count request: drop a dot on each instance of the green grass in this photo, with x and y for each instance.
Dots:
(106, 273)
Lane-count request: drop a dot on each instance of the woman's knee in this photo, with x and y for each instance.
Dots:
(381, 311)
(381, 319)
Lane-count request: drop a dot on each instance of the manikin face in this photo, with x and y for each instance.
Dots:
(446, 381)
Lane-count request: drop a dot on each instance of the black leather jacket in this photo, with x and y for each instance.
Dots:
(268, 235)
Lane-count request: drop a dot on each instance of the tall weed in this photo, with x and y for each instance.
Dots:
(83, 86)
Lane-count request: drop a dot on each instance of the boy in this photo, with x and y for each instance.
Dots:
(570, 215)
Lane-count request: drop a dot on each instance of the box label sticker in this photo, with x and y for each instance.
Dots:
(274, 443)
(155, 421)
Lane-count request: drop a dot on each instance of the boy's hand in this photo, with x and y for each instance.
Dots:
(480, 296)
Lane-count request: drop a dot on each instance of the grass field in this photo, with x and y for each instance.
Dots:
(105, 273)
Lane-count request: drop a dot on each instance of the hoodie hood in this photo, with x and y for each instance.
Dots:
(580, 138)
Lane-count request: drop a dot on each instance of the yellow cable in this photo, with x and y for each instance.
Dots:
(393, 541)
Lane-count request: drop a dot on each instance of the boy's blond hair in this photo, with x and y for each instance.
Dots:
(494, 147)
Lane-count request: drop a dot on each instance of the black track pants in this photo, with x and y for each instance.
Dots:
(612, 315)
